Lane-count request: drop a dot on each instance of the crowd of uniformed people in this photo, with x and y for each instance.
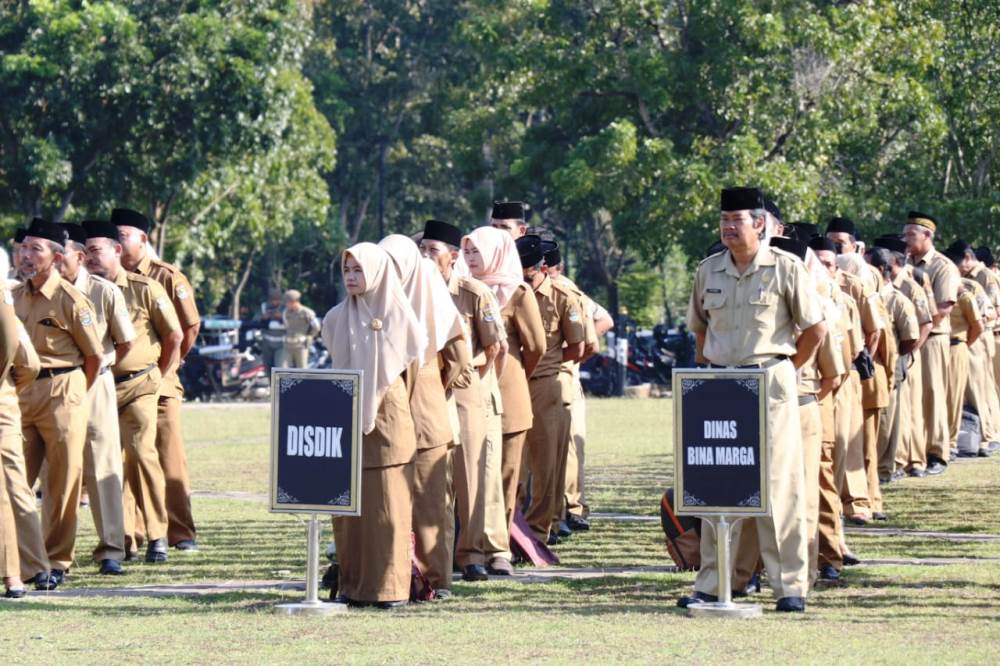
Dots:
(881, 362)
(471, 406)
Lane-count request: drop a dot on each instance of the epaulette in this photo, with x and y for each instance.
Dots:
(712, 256)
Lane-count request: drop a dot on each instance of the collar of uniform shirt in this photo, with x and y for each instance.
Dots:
(926, 259)
(142, 268)
(48, 288)
(764, 257)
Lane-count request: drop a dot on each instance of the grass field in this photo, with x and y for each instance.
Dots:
(886, 613)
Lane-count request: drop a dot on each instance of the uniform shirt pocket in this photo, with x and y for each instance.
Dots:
(714, 304)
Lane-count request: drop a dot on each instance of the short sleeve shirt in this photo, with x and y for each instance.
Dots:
(916, 294)
(752, 317)
(562, 320)
(153, 318)
(111, 318)
(944, 279)
(60, 322)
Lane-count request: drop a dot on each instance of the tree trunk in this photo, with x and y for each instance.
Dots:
(238, 290)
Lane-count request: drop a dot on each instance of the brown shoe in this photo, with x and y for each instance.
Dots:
(500, 566)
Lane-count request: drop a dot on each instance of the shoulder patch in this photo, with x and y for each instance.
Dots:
(182, 292)
(86, 318)
(7, 298)
(489, 316)
(574, 315)
(162, 302)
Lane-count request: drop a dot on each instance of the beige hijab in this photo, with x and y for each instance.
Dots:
(376, 332)
(855, 264)
(429, 296)
(501, 261)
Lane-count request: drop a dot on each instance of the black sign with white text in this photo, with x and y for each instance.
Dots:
(720, 435)
(316, 442)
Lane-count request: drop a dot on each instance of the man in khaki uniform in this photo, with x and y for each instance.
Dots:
(138, 374)
(510, 216)
(301, 326)
(102, 454)
(990, 273)
(60, 323)
(134, 228)
(966, 327)
(477, 483)
(746, 306)
(919, 234)
(548, 440)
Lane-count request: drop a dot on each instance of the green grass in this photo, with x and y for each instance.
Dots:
(884, 614)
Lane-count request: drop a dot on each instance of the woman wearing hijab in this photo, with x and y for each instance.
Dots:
(444, 362)
(376, 331)
(492, 258)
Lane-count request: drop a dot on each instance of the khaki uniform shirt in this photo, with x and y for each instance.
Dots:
(24, 369)
(181, 295)
(301, 326)
(828, 359)
(990, 283)
(908, 287)
(111, 318)
(562, 318)
(964, 314)
(59, 320)
(522, 321)
(983, 303)
(865, 299)
(8, 333)
(944, 279)
(483, 327)
(751, 318)
(902, 314)
(153, 318)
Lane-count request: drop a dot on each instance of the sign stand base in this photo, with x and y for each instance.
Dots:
(724, 607)
(311, 605)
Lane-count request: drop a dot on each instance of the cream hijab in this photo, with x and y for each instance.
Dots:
(501, 261)
(428, 294)
(854, 263)
(376, 332)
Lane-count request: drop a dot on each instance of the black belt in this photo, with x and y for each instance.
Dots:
(133, 375)
(956, 341)
(806, 399)
(48, 373)
(754, 366)
(104, 369)
(932, 334)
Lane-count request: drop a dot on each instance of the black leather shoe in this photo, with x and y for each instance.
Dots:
(339, 599)
(696, 598)
(850, 560)
(563, 530)
(577, 523)
(500, 566)
(56, 578)
(42, 581)
(390, 605)
(984, 453)
(880, 515)
(897, 475)
(15, 593)
(553, 540)
(156, 551)
(936, 467)
(330, 576)
(994, 447)
(474, 573)
(111, 567)
(442, 594)
(917, 473)
(791, 605)
(829, 573)
(187, 546)
(131, 556)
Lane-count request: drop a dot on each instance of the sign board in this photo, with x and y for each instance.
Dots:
(316, 441)
(720, 436)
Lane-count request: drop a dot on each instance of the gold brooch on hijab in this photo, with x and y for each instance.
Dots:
(376, 324)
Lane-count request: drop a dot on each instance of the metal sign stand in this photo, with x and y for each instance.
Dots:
(312, 605)
(724, 607)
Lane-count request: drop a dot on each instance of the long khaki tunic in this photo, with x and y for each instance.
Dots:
(525, 332)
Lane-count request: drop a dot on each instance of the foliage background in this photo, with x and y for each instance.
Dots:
(264, 136)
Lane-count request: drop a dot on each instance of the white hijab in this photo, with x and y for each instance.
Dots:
(376, 332)
(501, 262)
(429, 296)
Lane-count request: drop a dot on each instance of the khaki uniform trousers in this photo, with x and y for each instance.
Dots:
(102, 470)
(992, 387)
(935, 359)
(21, 521)
(829, 534)
(783, 536)
(469, 474)
(434, 534)
(958, 377)
(513, 452)
(980, 390)
(914, 443)
(173, 462)
(145, 487)
(996, 356)
(871, 459)
(891, 426)
(576, 503)
(496, 533)
(296, 356)
(546, 446)
(10, 562)
(852, 479)
(54, 415)
(373, 550)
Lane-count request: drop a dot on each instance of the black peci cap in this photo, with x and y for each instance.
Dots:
(509, 210)
(715, 248)
(101, 229)
(771, 207)
(550, 253)
(741, 198)
(444, 232)
(957, 250)
(789, 245)
(126, 217)
(40, 228)
(19, 234)
(821, 244)
(806, 230)
(75, 232)
(891, 242)
(530, 249)
(841, 224)
(985, 255)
